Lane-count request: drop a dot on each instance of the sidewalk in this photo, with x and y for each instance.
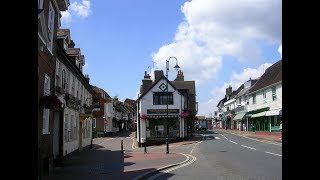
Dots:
(101, 163)
(255, 135)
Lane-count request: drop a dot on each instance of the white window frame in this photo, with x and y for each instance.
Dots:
(66, 119)
(46, 112)
(274, 93)
(63, 79)
(254, 99)
(40, 4)
(51, 16)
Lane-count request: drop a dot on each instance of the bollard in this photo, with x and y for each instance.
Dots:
(145, 147)
(91, 144)
(122, 146)
(167, 142)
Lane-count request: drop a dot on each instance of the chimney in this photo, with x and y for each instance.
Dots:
(180, 76)
(87, 77)
(71, 45)
(158, 74)
(146, 82)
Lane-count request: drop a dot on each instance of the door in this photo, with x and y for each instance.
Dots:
(80, 136)
(56, 126)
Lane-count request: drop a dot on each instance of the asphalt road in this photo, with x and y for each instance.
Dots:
(228, 157)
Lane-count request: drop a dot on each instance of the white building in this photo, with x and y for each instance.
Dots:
(265, 102)
(74, 90)
(159, 107)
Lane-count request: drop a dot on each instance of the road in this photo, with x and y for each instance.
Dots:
(227, 157)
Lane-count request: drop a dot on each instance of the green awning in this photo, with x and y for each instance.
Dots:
(223, 118)
(259, 110)
(239, 116)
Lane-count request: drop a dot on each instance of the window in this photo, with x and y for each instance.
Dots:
(228, 108)
(46, 112)
(274, 94)
(264, 94)
(66, 119)
(240, 100)
(63, 77)
(71, 128)
(40, 4)
(46, 85)
(161, 98)
(94, 122)
(50, 27)
(254, 99)
(45, 125)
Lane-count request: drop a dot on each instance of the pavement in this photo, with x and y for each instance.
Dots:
(102, 163)
(254, 135)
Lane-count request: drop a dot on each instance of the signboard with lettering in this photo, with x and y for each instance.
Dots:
(162, 111)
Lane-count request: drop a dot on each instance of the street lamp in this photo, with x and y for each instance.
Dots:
(167, 70)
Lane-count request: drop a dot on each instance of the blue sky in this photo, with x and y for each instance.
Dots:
(217, 43)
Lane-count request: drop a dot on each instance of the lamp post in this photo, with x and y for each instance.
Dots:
(167, 102)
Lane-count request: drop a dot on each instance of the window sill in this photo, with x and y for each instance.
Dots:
(45, 132)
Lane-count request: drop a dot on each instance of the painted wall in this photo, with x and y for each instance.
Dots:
(267, 102)
(146, 102)
(72, 145)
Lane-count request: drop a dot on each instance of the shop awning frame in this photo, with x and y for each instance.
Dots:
(239, 116)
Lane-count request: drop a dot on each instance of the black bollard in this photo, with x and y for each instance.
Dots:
(91, 144)
(122, 146)
(145, 147)
(167, 142)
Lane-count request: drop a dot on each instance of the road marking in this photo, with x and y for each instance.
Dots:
(196, 145)
(248, 147)
(182, 164)
(226, 138)
(217, 137)
(273, 153)
(233, 142)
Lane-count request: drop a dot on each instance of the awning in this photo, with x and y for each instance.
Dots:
(274, 112)
(239, 116)
(258, 114)
(161, 116)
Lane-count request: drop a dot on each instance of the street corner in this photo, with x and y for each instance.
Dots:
(153, 157)
(141, 163)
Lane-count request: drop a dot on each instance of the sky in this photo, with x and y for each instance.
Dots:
(216, 43)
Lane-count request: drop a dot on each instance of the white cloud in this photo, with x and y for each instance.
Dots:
(65, 16)
(213, 29)
(280, 50)
(235, 81)
(81, 9)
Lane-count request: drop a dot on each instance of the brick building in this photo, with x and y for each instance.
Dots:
(48, 23)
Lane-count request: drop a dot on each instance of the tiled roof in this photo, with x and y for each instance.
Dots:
(63, 32)
(190, 85)
(154, 83)
(73, 51)
(271, 76)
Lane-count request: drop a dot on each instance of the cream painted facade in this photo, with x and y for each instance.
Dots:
(70, 82)
(268, 101)
(146, 103)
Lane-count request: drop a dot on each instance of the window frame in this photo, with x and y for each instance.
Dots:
(51, 16)
(274, 93)
(162, 98)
